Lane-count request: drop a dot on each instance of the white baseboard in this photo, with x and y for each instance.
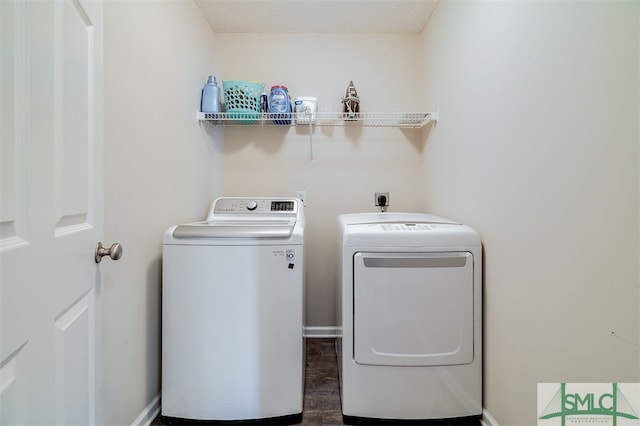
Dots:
(325, 332)
(487, 419)
(149, 413)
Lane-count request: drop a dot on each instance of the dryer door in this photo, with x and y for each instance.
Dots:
(413, 309)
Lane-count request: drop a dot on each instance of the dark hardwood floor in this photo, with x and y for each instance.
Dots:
(321, 395)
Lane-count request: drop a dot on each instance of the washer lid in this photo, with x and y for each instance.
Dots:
(236, 229)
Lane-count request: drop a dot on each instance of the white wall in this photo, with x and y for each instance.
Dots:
(159, 170)
(537, 148)
(349, 165)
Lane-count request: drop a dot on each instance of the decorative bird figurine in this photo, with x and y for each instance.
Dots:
(351, 102)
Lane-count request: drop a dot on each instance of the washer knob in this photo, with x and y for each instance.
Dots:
(252, 205)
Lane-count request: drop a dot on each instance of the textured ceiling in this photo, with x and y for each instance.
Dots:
(317, 16)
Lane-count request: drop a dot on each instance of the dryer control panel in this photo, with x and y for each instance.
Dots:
(413, 226)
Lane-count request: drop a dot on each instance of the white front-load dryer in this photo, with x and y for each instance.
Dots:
(232, 312)
(410, 307)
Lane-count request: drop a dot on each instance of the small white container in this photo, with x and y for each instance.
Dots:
(305, 108)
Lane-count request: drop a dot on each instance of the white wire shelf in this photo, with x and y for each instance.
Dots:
(412, 120)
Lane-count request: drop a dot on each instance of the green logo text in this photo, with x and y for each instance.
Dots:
(613, 404)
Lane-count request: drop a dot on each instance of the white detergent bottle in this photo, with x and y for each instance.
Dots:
(210, 101)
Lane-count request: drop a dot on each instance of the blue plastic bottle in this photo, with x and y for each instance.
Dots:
(210, 100)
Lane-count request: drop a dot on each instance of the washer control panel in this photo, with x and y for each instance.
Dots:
(262, 206)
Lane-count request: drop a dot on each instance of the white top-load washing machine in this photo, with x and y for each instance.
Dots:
(410, 307)
(232, 312)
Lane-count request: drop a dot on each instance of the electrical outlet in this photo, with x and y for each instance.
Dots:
(303, 197)
(381, 199)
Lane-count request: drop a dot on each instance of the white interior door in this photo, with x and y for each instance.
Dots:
(50, 211)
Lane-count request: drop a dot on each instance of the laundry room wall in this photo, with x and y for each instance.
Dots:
(339, 168)
(537, 149)
(160, 169)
